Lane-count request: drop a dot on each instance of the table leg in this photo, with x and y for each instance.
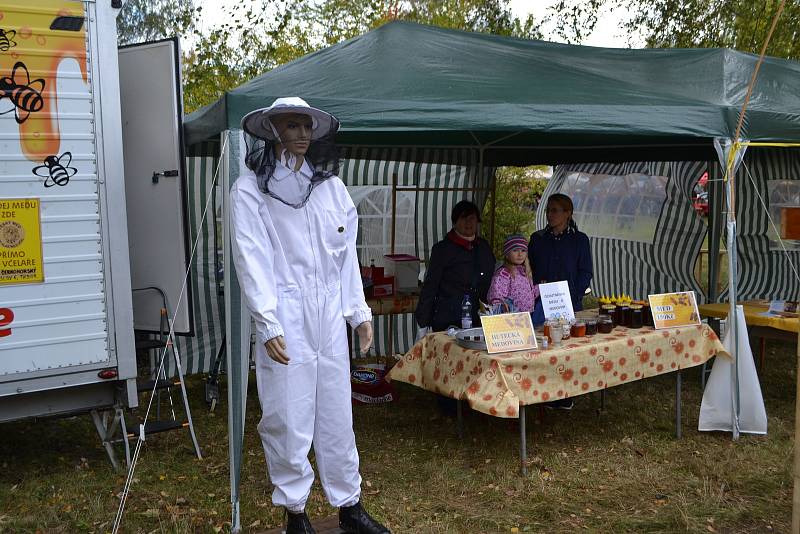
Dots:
(523, 452)
(602, 400)
(459, 420)
(678, 404)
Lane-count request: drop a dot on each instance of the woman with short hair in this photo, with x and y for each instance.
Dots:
(462, 263)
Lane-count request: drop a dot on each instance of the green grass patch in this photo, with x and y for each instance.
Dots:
(618, 471)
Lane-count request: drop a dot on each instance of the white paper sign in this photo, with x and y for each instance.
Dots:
(776, 307)
(556, 300)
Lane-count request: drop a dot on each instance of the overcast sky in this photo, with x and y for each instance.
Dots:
(606, 34)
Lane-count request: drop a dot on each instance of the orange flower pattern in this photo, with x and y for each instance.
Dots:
(497, 384)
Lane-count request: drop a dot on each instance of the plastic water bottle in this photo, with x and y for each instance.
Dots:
(466, 312)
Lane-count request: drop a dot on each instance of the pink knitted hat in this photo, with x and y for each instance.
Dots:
(513, 242)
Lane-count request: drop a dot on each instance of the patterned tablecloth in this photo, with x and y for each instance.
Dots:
(497, 384)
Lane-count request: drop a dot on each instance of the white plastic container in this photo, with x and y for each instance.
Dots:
(405, 269)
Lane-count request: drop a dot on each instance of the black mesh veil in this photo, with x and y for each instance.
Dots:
(322, 156)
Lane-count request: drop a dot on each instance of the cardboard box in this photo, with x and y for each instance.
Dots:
(790, 223)
(405, 269)
(383, 287)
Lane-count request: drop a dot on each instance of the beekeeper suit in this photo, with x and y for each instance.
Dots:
(294, 230)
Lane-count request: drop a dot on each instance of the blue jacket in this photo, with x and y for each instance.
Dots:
(568, 257)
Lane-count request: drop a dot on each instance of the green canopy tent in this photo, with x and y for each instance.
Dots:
(408, 92)
(525, 102)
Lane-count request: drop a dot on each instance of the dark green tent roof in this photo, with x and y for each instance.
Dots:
(407, 84)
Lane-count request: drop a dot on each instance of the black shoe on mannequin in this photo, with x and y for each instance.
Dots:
(298, 523)
(355, 520)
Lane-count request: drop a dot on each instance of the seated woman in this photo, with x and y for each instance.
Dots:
(460, 264)
(513, 280)
(561, 252)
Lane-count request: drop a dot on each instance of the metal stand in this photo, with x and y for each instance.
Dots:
(107, 428)
(159, 381)
(212, 382)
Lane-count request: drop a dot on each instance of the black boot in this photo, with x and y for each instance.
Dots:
(355, 520)
(298, 524)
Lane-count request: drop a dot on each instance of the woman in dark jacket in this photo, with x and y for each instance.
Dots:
(462, 263)
(561, 252)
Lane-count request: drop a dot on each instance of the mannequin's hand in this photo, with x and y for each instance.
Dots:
(364, 331)
(276, 349)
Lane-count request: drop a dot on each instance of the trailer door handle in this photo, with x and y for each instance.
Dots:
(173, 173)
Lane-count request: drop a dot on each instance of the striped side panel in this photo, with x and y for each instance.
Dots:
(638, 268)
(198, 352)
(440, 170)
(764, 273)
(680, 231)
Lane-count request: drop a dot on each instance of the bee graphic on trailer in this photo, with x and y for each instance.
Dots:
(56, 170)
(7, 40)
(24, 94)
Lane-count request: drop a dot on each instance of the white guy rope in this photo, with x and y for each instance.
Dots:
(170, 340)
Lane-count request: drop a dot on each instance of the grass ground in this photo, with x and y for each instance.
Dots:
(621, 471)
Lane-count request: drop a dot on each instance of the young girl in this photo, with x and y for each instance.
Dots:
(513, 280)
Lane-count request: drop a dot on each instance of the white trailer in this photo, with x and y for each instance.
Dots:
(70, 296)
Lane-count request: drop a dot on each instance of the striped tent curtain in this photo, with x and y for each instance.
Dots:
(454, 175)
(664, 261)
(765, 270)
(199, 352)
(453, 169)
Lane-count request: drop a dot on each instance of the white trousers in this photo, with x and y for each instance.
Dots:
(308, 401)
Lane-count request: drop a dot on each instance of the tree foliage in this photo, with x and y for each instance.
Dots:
(518, 191)
(257, 37)
(739, 24)
(140, 21)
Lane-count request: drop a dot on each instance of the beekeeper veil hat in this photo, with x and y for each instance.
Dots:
(261, 136)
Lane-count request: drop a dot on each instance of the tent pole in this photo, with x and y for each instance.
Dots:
(394, 208)
(715, 213)
(237, 330)
(796, 495)
(494, 209)
(733, 276)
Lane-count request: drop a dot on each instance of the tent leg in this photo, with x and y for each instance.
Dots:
(678, 404)
(796, 495)
(236, 520)
(459, 420)
(523, 449)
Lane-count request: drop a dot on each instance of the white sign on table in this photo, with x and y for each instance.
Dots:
(556, 300)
